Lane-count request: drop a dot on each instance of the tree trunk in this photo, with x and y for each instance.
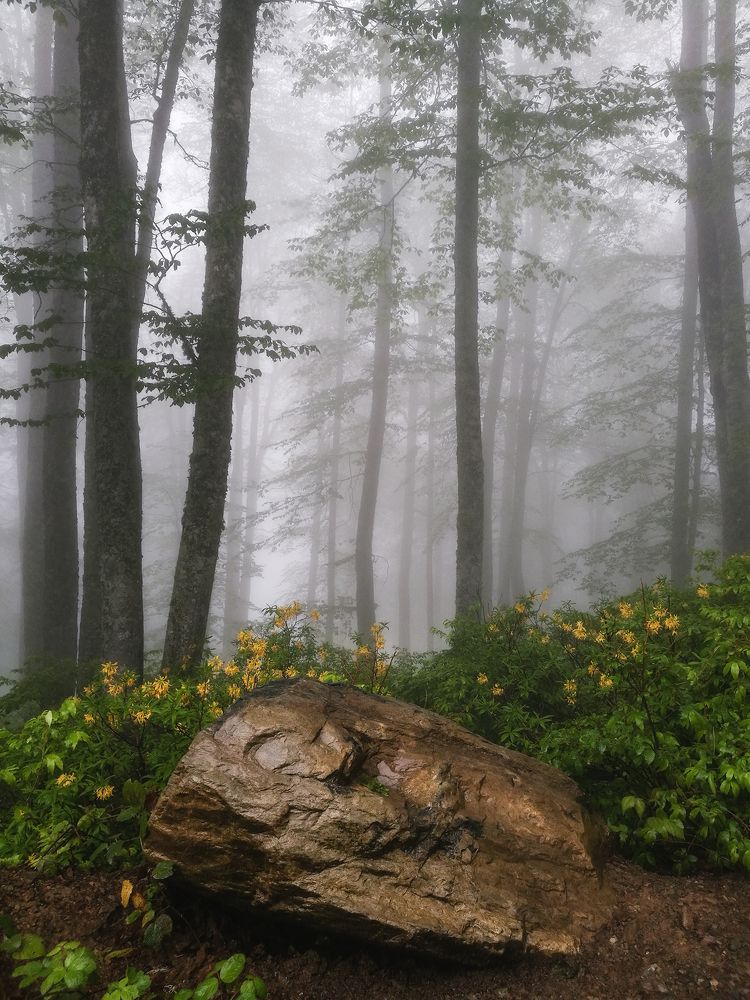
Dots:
(711, 189)
(429, 488)
(113, 489)
(32, 523)
(333, 483)
(470, 521)
(489, 427)
(235, 610)
(365, 583)
(407, 519)
(681, 555)
(313, 565)
(59, 489)
(202, 518)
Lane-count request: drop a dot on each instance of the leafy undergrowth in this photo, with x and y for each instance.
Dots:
(643, 701)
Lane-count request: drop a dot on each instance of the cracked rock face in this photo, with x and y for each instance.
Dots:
(367, 816)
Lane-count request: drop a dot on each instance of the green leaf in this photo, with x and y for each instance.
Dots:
(24, 946)
(163, 870)
(207, 989)
(231, 968)
(48, 717)
(184, 994)
(253, 988)
(157, 930)
(79, 966)
(52, 761)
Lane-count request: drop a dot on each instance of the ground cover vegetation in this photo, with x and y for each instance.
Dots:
(643, 700)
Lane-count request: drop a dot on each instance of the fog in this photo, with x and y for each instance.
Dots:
(581, 262)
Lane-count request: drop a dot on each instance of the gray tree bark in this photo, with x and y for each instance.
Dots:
(59, 488)
(680, 552)
(711, 190)
(113, 489)
(470, 520)
(32, 521)
(202, 519)
(364, 575)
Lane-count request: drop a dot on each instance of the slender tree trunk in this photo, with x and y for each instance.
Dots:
(365, 582)
(470, 521)
(333, 484)
(235, 611)
(524, 431)
(711, 189)
(32, 524)
(313, 565)
(159, 130)
(697, 456)
(59, 488)
(113, 490)
(681, 555)
(253, 462)
(219, 336)
(407, 519)
(430, 486)
(489, 427)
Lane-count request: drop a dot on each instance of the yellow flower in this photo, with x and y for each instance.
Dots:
(88, 718)
(311, 673)
(497, 690)
(482, 678)
(592, 669)
(520, 608)
(244, 639)
(115, 690)
(653, 626)
(544, 595)
(156, 688)
(635, 651)
(140, 718)
(363, 651)
(64, 780)
(625, 609)
(88, 690)
(215, 710)
(314, 615)
(671, 623)
(104, 792)
(545, 640)
(626, 635)
(492, 627)
(109, 669)
(660, 612)
(702, 590)
(605, 682)
(216, 664)
(580, 630)
(231, 669)
(202, 688)
(234, 691)
(600, 638)
(571, 690)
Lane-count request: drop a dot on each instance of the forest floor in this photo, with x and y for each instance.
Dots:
(678, 937)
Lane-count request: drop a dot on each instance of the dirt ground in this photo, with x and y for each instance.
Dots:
(670, 937)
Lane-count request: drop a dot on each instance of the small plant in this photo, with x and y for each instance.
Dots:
(156, 924)
(68, 970)
(63, 970)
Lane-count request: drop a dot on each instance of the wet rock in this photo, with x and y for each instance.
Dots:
(367, 816)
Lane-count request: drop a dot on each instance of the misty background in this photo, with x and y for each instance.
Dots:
(582, 283)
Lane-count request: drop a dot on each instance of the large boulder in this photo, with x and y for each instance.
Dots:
(367, 816)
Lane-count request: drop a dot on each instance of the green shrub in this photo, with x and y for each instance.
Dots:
(644, 702)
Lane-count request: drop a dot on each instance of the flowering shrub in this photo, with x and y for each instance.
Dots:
(643, 702)
(77, 782)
